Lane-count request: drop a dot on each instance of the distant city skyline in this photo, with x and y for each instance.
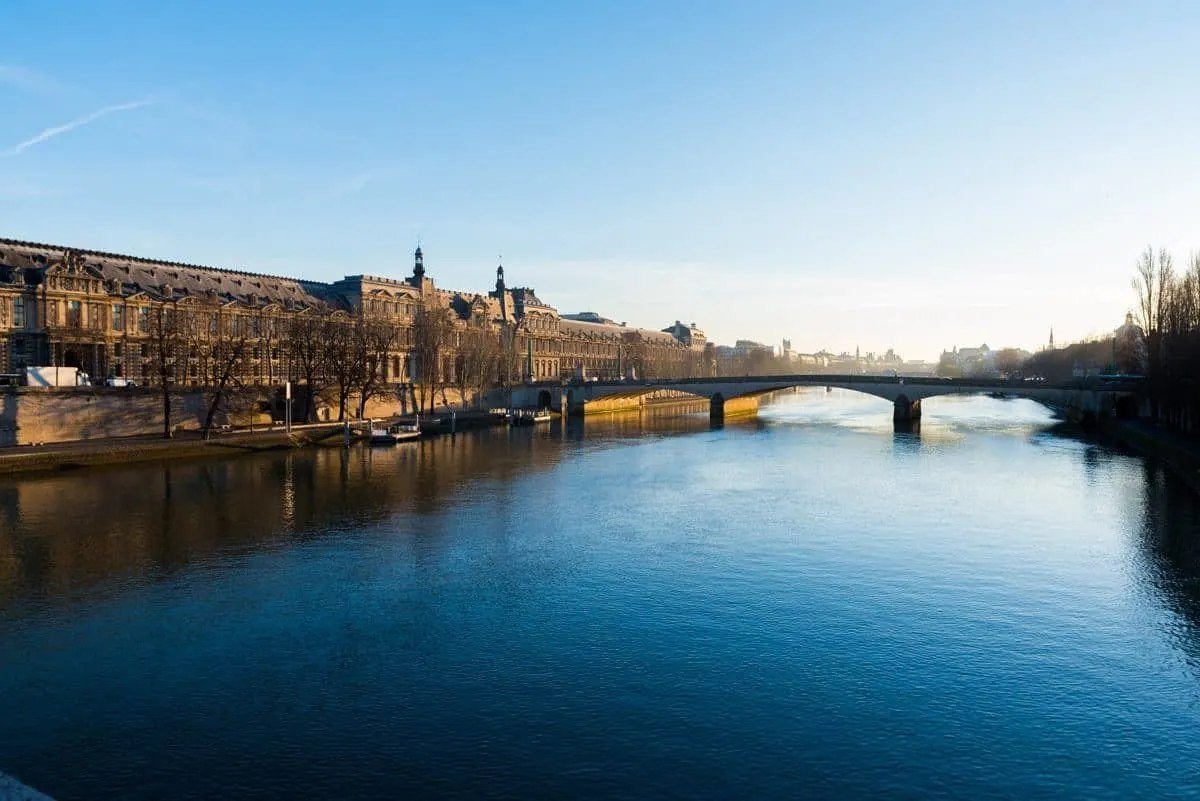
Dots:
(880, 176)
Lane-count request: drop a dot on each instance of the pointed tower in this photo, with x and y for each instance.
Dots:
(1051, 337)
(418, 263)
(500, 292)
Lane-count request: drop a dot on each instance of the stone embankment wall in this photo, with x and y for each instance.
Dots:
(29, 416)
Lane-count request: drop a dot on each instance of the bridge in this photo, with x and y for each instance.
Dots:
(731, 396)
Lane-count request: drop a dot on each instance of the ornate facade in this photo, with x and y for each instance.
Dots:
(97, 311)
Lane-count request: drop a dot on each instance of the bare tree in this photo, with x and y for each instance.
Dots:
(374, 340)
(510, 343)
(432, 328)
(306, 346)
(1008, 361)
(1152, 282)
(708, 360)
(633, 349)
(169, 337)
(344, 362)
(267, 333)
(478, 350)
(225, 367)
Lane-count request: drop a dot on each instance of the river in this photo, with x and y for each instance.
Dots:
(802, 605)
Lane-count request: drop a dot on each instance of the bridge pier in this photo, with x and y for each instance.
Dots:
(906, 413)
(721, 409)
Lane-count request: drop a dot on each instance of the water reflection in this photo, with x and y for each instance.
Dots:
(907, 439)
(600, 608)
(634, 424)
(1169, 538)
(150, 520)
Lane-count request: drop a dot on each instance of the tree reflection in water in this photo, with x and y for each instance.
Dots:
(1169, 538)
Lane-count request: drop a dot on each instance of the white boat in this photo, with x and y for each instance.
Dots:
(408, 428)
(528, 417)
(380, 435)
(393, 434)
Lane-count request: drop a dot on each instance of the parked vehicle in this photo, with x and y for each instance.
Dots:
(55, 376)
(117, 381)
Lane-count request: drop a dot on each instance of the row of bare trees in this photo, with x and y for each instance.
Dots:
(1168, 311)
(343, 358)
(347, 359)
(201, 346)
(353, 358)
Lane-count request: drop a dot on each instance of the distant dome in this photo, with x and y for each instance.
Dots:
(1129, 329)
(1129, 346)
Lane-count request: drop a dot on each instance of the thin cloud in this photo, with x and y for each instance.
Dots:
(27, 80)
(357, 183)
(22, 192)
(86, 119)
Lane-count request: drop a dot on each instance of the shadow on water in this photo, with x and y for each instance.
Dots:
(152, 520)
(906, 437)
(1169, 540)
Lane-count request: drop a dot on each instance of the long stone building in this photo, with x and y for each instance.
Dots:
(101, 312)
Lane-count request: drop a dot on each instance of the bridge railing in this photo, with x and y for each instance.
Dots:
(1113, 382)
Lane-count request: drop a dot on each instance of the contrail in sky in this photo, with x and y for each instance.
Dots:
(50, 133)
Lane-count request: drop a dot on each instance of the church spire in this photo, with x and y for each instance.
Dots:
(418, 263)
(500, 277)
(1051, 337)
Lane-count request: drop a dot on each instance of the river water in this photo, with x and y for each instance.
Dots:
(806, 605)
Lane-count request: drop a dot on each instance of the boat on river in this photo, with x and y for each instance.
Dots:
(528, 417)
(392, 434)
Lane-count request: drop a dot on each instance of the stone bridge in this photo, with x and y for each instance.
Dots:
(1085, 399)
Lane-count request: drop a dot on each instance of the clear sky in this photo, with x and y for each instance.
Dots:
(874, 174)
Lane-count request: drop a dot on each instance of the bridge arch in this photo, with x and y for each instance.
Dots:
(544, 400)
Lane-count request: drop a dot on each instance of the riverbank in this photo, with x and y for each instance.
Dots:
(190, 445)
(91, 453)
(1180, 456)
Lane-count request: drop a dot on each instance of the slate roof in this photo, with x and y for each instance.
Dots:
(157, 277)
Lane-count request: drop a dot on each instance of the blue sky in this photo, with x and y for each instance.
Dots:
(875, 174)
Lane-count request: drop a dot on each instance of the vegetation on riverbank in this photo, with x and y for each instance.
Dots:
(1160, 340)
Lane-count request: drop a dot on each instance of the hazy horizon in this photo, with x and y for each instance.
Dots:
(915, 177)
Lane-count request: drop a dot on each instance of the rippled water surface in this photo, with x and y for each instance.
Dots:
(804, 606)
